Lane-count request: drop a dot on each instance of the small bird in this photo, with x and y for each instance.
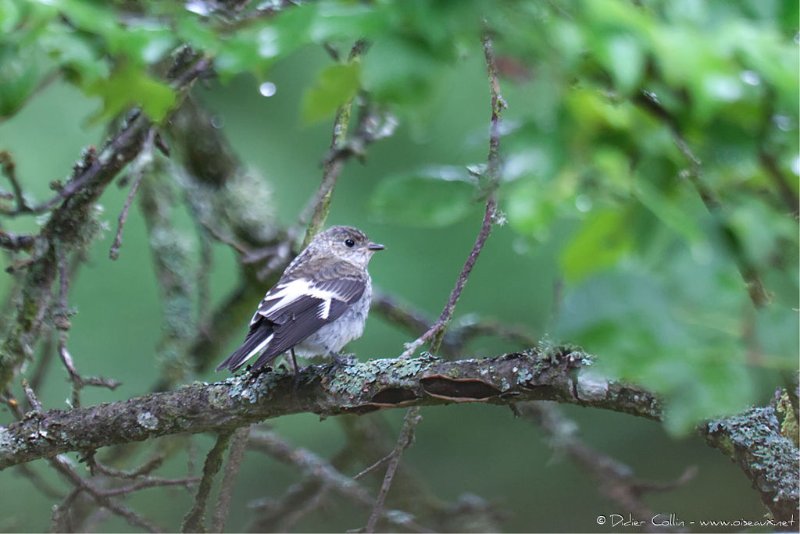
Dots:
(319, 304)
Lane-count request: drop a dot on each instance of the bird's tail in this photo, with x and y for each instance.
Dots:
(255, 343)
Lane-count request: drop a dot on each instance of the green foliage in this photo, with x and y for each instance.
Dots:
(612, 104)
(429, 198)
(126, 87)
(335, 86)
(599, 244)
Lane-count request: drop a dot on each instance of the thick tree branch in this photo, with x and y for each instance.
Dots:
(753, 440)
(358, 388)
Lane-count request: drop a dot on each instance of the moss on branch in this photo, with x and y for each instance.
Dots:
(355, 388)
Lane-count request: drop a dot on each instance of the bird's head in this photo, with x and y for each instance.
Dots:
(347, 243)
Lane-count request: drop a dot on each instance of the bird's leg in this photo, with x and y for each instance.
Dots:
(296, 376)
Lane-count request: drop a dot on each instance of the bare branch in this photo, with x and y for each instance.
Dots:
(143, 470)
(62, 465)
(747, 269)
(404, 441)
(614, 479)
(436, 332)
(195, 518)
(316, 467)
(455, 339)
(238, 446)
(140, 165)
(69, 224)
(356, 388)
(9, 169)
(332, 167)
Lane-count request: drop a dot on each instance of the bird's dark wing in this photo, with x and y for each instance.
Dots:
(298, 306)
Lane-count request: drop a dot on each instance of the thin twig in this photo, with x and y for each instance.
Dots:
(280, 515)
(138, 171)
(33, 401)
(43, 361)
(404, 441)
(61, 520)
(62, 465)
(195, 518)
(758, 294)
(367, 470)
(316, 467)
(151, 482)
(235, 456)
(436, 333)
(615, 479)
(455, 339)
(38, 482)
(768, 160)
(10, 171)
(143, 470)
(15, 242)
(332, 168)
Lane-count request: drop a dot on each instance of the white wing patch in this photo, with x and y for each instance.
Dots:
(258, 349)
(285, 294)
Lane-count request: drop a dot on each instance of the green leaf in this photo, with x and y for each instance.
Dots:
(129, 85)
(530, 209)
(20, 73)
(346, 21)
(9, 15)
(432, 198)
(630, 320)
(399, 71)
(334, 86)
(600, 243)
(673, 212)
(625, 60)
(74, 52)
(712, 385)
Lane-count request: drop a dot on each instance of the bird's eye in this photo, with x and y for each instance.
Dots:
(349, 243)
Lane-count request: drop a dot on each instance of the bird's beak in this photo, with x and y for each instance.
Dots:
(375, 247)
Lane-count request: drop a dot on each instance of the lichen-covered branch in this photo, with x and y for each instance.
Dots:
(170, 251)
(68, 228)
(358, 388)
(753, 440)
(234, 205)
(72, 225)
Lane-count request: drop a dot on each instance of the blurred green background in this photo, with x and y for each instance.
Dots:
(630, 306)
